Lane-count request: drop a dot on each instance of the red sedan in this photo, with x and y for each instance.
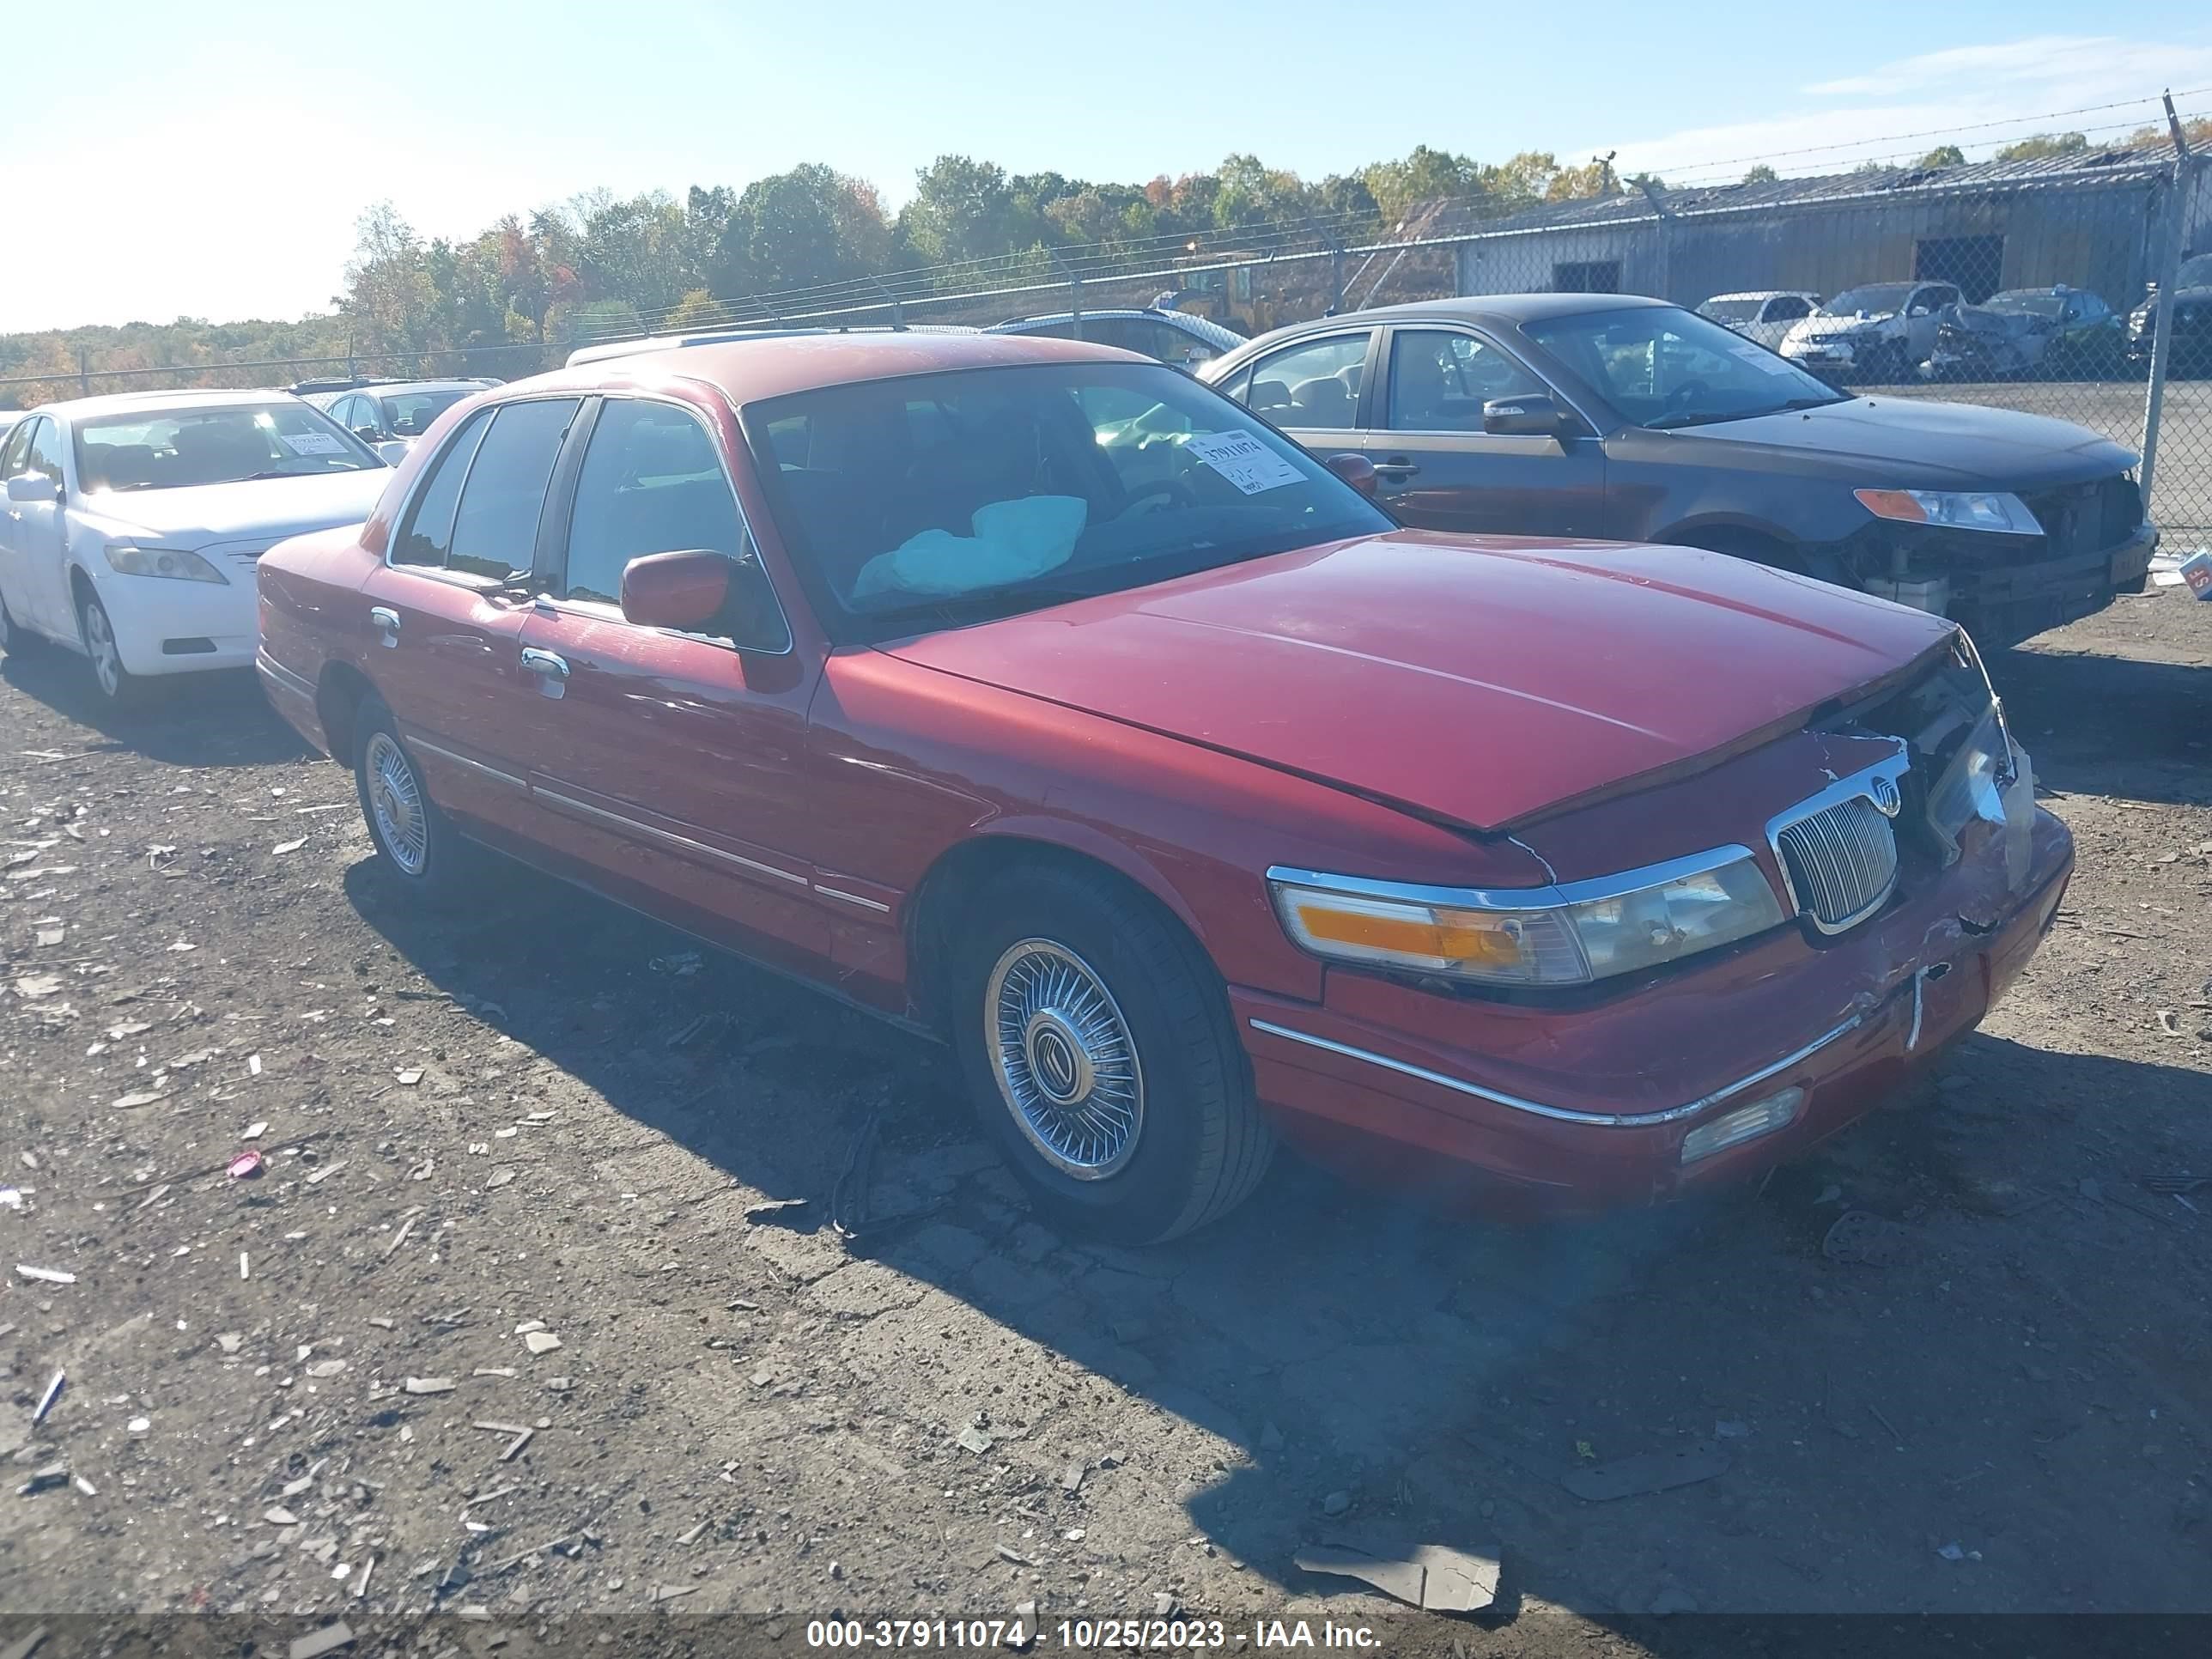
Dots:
(1033, 695)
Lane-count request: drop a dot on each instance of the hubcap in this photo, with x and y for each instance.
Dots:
(1065, 1064)
(107, 660)
(395, 801)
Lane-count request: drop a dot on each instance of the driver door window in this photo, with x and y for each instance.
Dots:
(1439, 380)
(1313, 387)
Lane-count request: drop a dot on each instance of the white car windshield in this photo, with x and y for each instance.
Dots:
(1731, 310)
(180, 448)
(1875, 299)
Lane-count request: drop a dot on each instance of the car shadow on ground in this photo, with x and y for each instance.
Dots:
(2117, 725)
(1935, 1434)
(184, 719)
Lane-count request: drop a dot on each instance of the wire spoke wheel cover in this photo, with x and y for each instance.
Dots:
(99, 643)
(1064, 1060)
(395, 801)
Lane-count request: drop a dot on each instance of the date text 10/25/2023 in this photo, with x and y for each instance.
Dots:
(1133, 1635)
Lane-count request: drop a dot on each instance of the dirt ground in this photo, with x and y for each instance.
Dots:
(552, 1111)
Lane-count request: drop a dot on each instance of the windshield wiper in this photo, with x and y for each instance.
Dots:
(1667, 422)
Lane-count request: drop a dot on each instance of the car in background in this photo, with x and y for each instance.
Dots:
(7, 419)
(1879, 332)
(1584, 415)
(133, 523)
(400, 411)
(1033, 694)
(1765, 316)
(324, 391)
(608, 350)
(1174, 338)
(2049, 333)
(2188, 355)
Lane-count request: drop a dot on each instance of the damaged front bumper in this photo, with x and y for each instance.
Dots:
(1698, 1078)
(2001, 602)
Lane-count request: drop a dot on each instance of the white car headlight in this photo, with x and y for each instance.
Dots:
(1569, 934)
(174, 562)
(1953, 509)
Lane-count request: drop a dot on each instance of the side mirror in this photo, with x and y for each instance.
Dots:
(695, 591)
(32, 486)
(1355, 469)
(684, 591)
(1523, 417)
(392, 451)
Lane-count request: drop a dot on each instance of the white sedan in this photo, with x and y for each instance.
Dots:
(132, 524)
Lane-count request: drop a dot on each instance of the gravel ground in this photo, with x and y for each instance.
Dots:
(550, 1111)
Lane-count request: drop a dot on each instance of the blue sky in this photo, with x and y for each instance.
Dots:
(211, 161)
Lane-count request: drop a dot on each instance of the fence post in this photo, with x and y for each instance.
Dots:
(1664, 238)
(2169, 277)
(84, 371)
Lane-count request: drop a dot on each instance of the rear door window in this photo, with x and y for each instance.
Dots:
(495, 525)
(429, 532)
(1311, 385)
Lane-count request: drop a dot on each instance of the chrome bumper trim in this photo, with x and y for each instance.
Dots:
(297, 684)
(1602, 1119)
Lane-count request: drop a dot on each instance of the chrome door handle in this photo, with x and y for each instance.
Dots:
(544, 662)
(385, 618)
(1395, 469)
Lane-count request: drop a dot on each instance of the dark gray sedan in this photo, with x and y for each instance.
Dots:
(1633, 420)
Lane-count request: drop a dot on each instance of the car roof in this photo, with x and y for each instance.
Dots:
(124, 402)
(1767, 294)
(1205, 327)
(773, 366)
(391, 388)
(606, 350)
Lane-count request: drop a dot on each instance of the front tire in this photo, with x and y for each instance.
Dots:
(118, 687)
(416, 842)
(1097, 1042)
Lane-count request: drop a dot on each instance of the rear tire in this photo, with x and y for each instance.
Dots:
(425, 856)
(1097, 1045)
(15, 640)
(118, 686)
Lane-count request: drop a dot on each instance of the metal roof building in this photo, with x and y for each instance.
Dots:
(2093, 219)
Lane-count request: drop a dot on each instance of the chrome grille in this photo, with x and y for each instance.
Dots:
(1842, 861)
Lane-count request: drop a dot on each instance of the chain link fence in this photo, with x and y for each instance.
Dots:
(2076, 285)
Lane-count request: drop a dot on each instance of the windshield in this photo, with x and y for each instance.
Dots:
(409, 414)
(179, 448)
(1875, 299)
(938, 499)
(1731, 310)
(1661, 366)
(2031, 304)
(2196, 272)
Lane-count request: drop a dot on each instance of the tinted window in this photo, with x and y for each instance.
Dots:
(1311, 385)
(1787, 309)
(46, 451)
(652, 482)
(429, 529)
(1156, 339)
(1439, 381)
(18, 448)
(408, 415)
(495, 525)
(1051, 482)
(1661, 366)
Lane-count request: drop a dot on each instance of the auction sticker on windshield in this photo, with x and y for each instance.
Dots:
(313, 443)
(1244, 460)
(1759, 358)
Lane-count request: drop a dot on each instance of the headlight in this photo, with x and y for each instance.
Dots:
(1952, 510)
(170, 561)
(1569, 934)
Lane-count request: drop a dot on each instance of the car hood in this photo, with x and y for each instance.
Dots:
(1896, 443)
(1826, 328)
(1476, 682)
(260, 510)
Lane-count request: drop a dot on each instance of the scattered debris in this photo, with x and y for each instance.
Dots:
(687, 1539)
(329, 1639)
(244, 1166)
(284, 847)
(2169, 1023)
(1860, 1237)
(46, 1400)
(280, 1517)
(45, 1275)
(973, 1439)
(54, 1474)
(1336, 1503)
(399, 1237)
(540, 1341)
(1647, 1472)
(428, 1385)
(1430, 1575)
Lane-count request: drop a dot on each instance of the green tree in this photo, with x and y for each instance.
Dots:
(805, 228)
(2043, 144)
(1762, 175)
(389, 299)
(962, 209)
(1249, 193)
(1400, 188)
(1943, 155)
